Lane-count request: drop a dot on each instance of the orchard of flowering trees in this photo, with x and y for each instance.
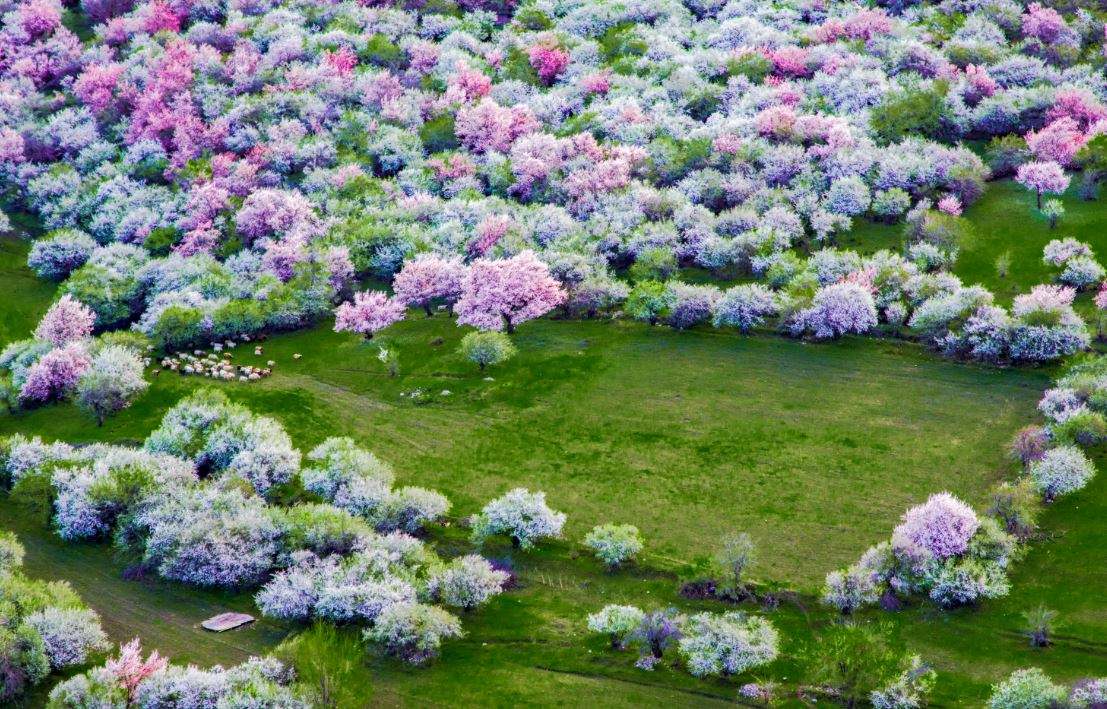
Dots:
(211, 171)
(206, 172)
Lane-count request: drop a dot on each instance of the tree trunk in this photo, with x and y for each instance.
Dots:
(1039, 199)
(427, 309)
(510, 326)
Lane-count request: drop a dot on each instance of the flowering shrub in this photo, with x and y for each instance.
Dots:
(68, 634)
(467, 582)
(358, 588)
(616, 622)
(59, 254)
(727, 643)
(486, 348)
(614, 544)
(226, 439)
(521, 515)
(1060, 471)
(744, 307)
(837, 310)
(414, 631)
(941, 548)
(1026, 688)
(112, 381)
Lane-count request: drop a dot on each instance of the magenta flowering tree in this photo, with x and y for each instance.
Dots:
(67, 320)
(368, 313)
(1042, 177)
(56, 374)
(429, 278)
(503, 293)
(548, 60)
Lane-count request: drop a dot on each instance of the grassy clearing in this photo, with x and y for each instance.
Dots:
(813, 449)
(687, 435)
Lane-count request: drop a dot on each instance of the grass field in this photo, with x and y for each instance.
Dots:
(687, 435)
(815, 450)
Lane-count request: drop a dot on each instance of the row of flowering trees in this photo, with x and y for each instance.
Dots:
(832, 293)
(207, 171)
(46, 627)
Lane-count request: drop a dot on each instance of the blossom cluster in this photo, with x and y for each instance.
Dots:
(711, 644)
(46, 627)
(131, 680)
(197, 504)
(941, 549)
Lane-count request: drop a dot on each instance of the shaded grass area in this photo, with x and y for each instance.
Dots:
(23, 297)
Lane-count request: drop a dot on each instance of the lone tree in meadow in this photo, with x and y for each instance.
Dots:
(427, 279)
(368, 313)
(486, 348)
(1042, 177)
(501, 294)
(520, 514)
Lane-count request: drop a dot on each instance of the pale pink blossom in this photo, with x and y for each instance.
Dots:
(130, 669)
(368, 313)
(66, 321)
(503, 293)
(939, 528)
(950, 204)
(1042, 177)
(56, 373)
(427, 278)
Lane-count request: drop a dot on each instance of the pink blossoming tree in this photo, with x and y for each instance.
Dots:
(130, 669)
(548, 61)
(67, 320)
(940, 528)
(55, 374)
(501, 294)
(368, 313)
(428, 278)
(1042, 177)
